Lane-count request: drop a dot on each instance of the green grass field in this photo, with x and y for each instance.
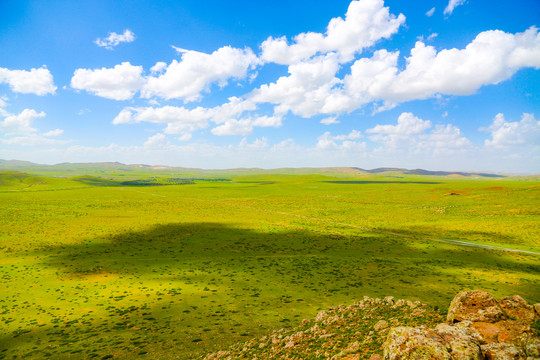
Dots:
(91, 270)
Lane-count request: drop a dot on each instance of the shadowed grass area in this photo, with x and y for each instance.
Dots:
(181, 289)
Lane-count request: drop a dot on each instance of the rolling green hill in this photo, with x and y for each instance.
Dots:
(111, 169)
(19, 179)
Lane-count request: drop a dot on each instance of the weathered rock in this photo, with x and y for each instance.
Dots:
(289, 344)
(380, 325)
(517, 308)
(475, 305)
(505, 331)
(463, 344)
(415, 343)
(389, 300)
(537, 309)
(532, 349)
(321, 315)
(479, 328)
(502, 351)
(489, 331)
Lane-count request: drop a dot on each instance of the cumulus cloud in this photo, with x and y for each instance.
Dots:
(21, 123)
(330, 120)
(179, 120)
(118, 83)
(400, 134)
(366, 22)
(452, 4)
(407, 124)
(492, 57)
(313, 87)
(505, 134)
(245, 126)
(411, 132)
(257, 144)
(156, 141)
(234, 127)
(430, 12)
(19, 130)
(327, 141)
(196, 71)
(310, 88)
(54, 133)
(36, 81)
(115, 39)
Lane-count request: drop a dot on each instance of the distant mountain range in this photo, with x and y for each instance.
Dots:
(110, 168)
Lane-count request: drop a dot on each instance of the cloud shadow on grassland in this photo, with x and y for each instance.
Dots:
(182, 282)
(305, 259)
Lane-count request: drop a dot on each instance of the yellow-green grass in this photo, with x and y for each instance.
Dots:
(176, 271)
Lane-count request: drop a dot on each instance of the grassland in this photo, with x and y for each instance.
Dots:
(91, 269)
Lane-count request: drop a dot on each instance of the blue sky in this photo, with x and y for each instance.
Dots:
(443, 85)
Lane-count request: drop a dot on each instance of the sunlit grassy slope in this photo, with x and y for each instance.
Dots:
(175, 271)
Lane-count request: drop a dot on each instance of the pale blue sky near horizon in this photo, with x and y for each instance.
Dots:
(443, 85)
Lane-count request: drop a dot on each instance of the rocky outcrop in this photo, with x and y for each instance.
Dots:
(478, 327)
(475, 306)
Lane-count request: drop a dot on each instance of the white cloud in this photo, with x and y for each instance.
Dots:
(115, 39)
(401, 134)
(410, 133)
(156, 141)
(3, 105)
(492, 57)
(267, 121)
(506, 134)
(33, 140)
(330, 120)
(429, 38)
(407, 124)
(36, 81)
(84, 111)
(430, 12)
(445, 140)
(118, 83)
(245, 126)
(327, 141)
(310, 88)
(184, 137)
(19, 131)
(180, 120)
(234, 127)
(366, 22)
(257, 144)
(452, 4)
(159, 67)
(54, 133)
(21, 123)
(231, 109)
(196, 71)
